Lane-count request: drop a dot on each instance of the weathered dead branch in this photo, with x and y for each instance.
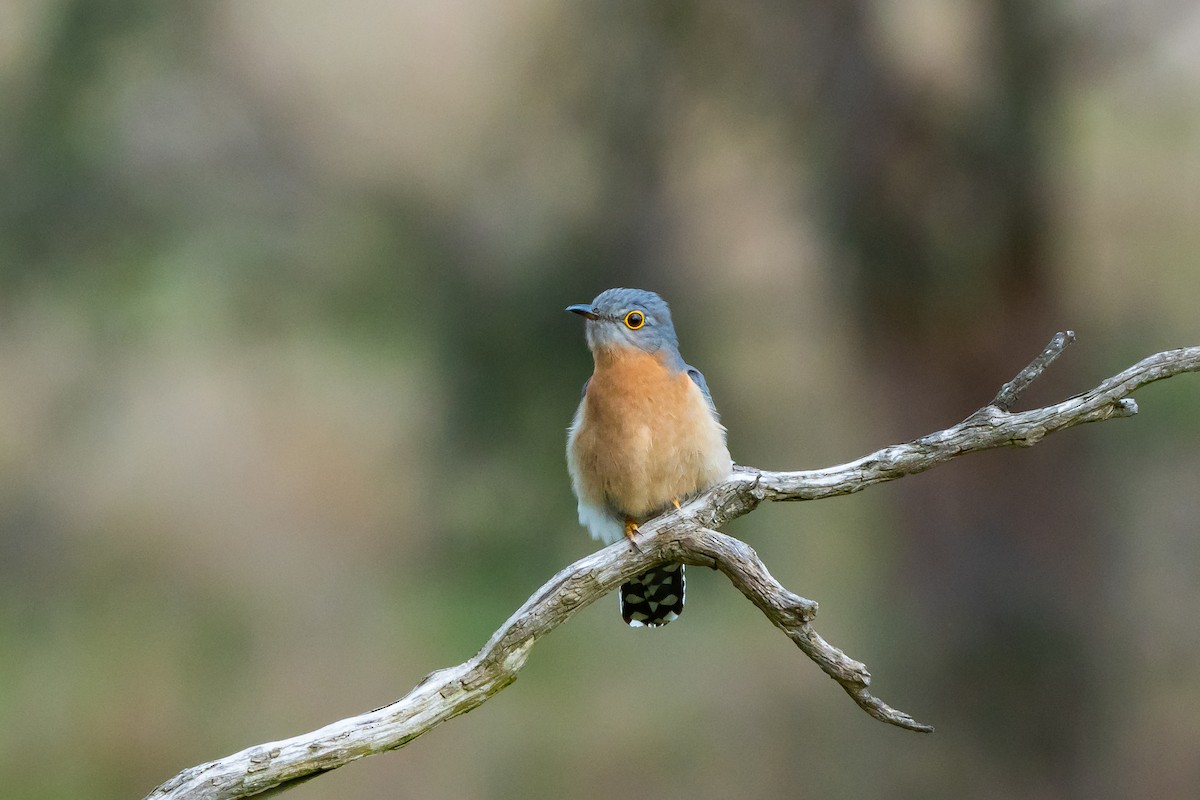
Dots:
(687, 535)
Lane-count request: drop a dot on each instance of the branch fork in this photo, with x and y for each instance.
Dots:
(689, 535)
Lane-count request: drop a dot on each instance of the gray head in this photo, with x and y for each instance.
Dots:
(629, 318)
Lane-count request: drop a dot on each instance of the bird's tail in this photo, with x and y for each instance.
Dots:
(653, 598)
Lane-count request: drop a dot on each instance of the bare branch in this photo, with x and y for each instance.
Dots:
(790, 612)
(1011, 391)
(686, 535)
(986, 429)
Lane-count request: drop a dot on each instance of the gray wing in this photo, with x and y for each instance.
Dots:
(698, 378)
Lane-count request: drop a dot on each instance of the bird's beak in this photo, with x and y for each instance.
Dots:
(584, 310)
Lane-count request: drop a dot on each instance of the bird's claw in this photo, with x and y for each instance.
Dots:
(631, 530)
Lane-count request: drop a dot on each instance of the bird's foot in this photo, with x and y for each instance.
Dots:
(631, 530)
(675, 502)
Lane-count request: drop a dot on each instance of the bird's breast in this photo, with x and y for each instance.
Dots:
(644, 436)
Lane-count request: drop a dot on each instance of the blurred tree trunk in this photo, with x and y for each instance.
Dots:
(946, 219)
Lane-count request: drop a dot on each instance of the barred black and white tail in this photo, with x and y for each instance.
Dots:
(653, 598)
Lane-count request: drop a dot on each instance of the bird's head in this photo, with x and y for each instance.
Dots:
(628, 318)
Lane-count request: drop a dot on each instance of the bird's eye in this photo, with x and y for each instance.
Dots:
(635, 320)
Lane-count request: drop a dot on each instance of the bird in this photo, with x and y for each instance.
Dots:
(646, 437)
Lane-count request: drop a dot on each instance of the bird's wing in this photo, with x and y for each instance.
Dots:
(698, 378)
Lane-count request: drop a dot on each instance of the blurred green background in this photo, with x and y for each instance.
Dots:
(285, 377)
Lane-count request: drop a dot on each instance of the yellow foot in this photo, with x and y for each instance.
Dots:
(675, 502)
(631, 530)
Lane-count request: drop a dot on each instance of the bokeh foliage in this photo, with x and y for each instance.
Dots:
(284, 381)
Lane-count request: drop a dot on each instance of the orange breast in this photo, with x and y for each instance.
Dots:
(645, 436)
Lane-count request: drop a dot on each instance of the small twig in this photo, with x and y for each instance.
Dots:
(688, 535)
(792, 614)
(1011, 391)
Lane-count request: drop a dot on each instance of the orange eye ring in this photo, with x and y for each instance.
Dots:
(635, 320)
